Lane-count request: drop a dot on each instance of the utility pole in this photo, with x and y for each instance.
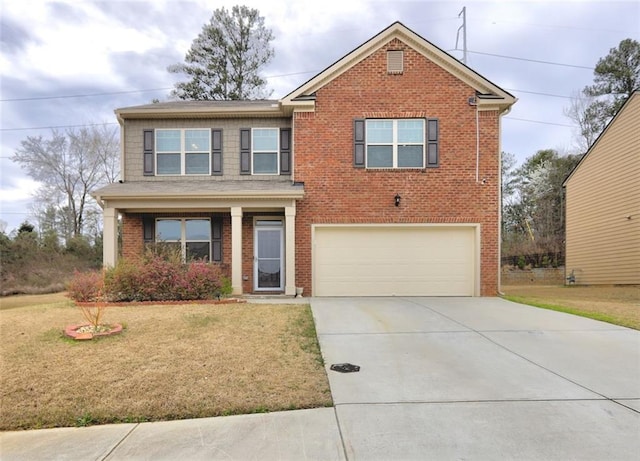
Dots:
(463, 13)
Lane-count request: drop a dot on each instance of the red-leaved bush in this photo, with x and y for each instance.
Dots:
(152, 278)
(85, 287)
(202, 281)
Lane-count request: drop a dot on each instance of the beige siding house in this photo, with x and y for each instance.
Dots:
(603, 205)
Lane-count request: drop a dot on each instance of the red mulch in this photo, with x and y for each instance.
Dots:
(167, 303)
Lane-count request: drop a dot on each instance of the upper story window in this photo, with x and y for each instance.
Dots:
(396, 143)
(265, 150)
(183, 151)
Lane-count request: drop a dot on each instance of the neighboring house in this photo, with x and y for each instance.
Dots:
(378, 176)
(603, 205)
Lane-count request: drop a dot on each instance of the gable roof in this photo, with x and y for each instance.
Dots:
(487, 93)
(633, 99)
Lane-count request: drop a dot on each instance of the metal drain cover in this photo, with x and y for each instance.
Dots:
(345, 367)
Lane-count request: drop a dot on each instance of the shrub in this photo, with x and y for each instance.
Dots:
(154, 278)
(123, 282)
(203, 281)
(159, 279)
(86, 286)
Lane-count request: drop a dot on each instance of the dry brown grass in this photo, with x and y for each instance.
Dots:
(171, 362)
(619, 304)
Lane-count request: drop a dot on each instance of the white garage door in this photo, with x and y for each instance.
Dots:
(402, 260)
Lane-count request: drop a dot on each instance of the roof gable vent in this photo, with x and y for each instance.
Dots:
(395, 61)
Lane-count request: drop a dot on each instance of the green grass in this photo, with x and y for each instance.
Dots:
(570, 310)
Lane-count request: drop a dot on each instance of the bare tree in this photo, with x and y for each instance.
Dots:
(69, 165)
(590, 117)
(616, 77)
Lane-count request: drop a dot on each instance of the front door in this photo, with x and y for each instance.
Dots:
(268, 272)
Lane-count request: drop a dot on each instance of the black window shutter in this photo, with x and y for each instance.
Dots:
(148, 163)
(216, 239)
(216, 152)
(285, 151)
(245, 151)
(433, 140)
(148, 226)
(359, 143)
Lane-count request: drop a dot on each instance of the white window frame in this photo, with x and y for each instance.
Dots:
(255, 151)
(183, 235)
(183, 151)
(395, 143)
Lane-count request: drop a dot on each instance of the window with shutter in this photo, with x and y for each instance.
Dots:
(433, 156)
(180, 151)
(194, 238)
(358, 143)
(245, 151)
(147, 162)
(216, 239)
(395, 143)
(285, 151)
(216, 152)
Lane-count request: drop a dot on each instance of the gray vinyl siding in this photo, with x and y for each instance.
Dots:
(133, 145)
(603, 205)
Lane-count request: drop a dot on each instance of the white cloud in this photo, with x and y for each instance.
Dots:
(21, 189)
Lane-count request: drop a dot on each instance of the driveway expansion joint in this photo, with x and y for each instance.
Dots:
(120, 442)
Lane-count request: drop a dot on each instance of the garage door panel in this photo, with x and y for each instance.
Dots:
(387, 261)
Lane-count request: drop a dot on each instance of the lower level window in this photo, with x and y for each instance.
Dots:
(190, 237)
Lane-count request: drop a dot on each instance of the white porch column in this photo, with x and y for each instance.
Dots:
(236, 249)
(110, 237)
(290, 249)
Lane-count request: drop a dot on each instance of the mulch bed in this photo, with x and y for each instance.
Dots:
(165, 303)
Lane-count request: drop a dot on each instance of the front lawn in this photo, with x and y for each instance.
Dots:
(617, 304)
(171, 362)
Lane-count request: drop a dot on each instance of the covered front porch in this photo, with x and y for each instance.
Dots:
(252, 229)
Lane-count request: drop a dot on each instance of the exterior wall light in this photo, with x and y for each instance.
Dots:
(397, 198)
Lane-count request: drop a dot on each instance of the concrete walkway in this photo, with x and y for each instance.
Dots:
(440, 378)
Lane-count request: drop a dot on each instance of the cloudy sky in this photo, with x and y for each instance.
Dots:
(71, 63)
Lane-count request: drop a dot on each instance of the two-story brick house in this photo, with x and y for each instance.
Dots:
(379, 176)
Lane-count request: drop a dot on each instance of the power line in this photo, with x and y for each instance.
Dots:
(530, 60)
(538, 121)
(42, 98)
(540, 94)
(57, 127)
(146, 90)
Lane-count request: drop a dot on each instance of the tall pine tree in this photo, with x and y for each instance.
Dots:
(225, 59)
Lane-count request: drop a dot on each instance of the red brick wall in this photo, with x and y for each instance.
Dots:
(132, 235)
(336, 192)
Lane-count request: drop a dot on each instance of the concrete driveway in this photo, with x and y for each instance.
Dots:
(479, 378)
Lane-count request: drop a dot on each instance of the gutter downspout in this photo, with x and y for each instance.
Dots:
(505, 112)
(122, 130)
(477, 145)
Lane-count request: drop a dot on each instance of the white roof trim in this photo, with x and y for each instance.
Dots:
(398, 31)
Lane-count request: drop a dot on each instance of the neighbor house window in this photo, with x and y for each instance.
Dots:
(190, 237)
(183, 151)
